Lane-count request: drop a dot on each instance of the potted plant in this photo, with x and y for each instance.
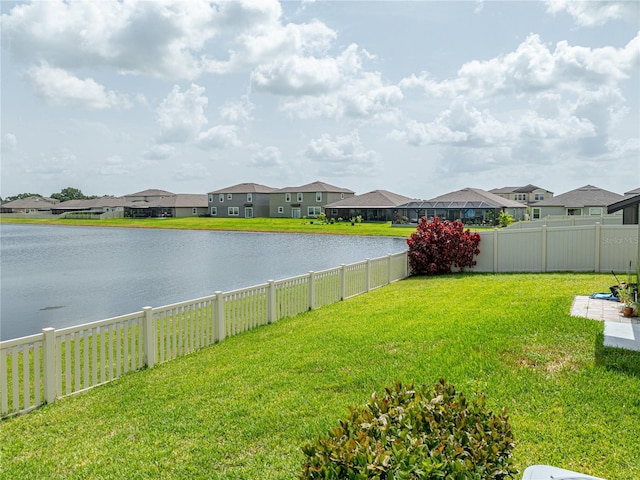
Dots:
(627, 298)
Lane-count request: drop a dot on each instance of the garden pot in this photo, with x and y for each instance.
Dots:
(627, 311)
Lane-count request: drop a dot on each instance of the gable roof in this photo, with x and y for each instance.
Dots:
(150, 193)
(246, 188)
(526, 189)
(373, 199)
(627, 201)
(635, 191)
(466, 198)
(315, 187)
(42, 203)
(586, 196)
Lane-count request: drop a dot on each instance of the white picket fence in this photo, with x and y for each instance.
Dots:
(39, 368)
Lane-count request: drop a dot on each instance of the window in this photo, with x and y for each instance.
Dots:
(595, 210)
(521, 197)
(249, 197)
(248, 212)
(295, 213)
(287, 197)
(214, 211)
(280, 209)
(299, 198)
(233, 211)
(535, 213)
(574, 211)
(221, 198)
(314, 211)
(229, 196)
(539, 196)
(342, 196)
(194, 211)
(210, 198)
(318, 196)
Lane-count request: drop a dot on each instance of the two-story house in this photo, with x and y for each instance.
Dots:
(528, 195)
(244, 200)
(587, 200)
(306, 200)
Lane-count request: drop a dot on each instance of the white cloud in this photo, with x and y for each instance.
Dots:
(596, 12)
(9, 143)
(343, 155)
(58, 163)
(237, 111)
(181, 115)
(60, 88)
(267, 157)
(160, 38)
(220, 136)
(114, 166)
(159, 152)
(187, 172)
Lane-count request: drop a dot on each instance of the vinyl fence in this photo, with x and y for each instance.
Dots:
(580, 248)
(39, 368)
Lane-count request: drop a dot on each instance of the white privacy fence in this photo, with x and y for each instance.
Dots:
(39, 368)
(588, 248)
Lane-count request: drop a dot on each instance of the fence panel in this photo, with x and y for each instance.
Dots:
(618, 246)
(327, 285)
(95, 353)
(519, 251)
(292, 296)
(21, 375)
(355, 279)
(378, 272)
(246, 308)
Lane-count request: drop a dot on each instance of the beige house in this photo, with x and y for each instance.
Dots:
(587, 200)
(529, 194)
(306, 200)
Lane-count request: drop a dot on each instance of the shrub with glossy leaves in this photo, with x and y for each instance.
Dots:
(414, 433)
(437, 246)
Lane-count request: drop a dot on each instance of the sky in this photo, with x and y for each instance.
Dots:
(419, 98)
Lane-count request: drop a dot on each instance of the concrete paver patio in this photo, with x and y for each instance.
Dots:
(619, 331)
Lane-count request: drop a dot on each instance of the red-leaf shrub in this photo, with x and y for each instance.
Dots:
(436, 246)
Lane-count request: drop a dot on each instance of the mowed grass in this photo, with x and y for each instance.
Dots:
(242, 409)
(281, 225)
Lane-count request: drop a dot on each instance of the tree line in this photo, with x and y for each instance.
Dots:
(69, 193)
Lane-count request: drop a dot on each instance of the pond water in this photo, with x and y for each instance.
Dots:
(58, 276)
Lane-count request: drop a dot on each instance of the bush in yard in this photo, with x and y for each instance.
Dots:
(415, 434)
(438, 245)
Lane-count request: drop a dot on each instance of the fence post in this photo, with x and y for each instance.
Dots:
(388, 269)
(221, 320)
(272, 311)
(598, 233)
(49, 364)
(367, 275)
(343, 281)
(311, 290)
(543, 232)
(149, 338)
(406, 263)
(495, 250)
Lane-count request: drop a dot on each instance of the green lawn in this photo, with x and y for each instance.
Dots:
(284, 225)
(244, 407)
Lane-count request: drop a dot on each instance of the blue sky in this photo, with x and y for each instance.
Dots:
(419, 98)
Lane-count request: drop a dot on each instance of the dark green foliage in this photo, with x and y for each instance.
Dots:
(412, 433)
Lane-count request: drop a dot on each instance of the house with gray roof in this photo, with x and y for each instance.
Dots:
(529, 194)
(244, 200)
(306, 200)
(30, 205)
(375, 206)
(630, 206)
(587, 200)
(472, 206)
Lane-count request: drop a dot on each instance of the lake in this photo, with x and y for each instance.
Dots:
(58, 276)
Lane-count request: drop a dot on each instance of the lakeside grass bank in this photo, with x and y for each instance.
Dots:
(275, 225)
(244, 407)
